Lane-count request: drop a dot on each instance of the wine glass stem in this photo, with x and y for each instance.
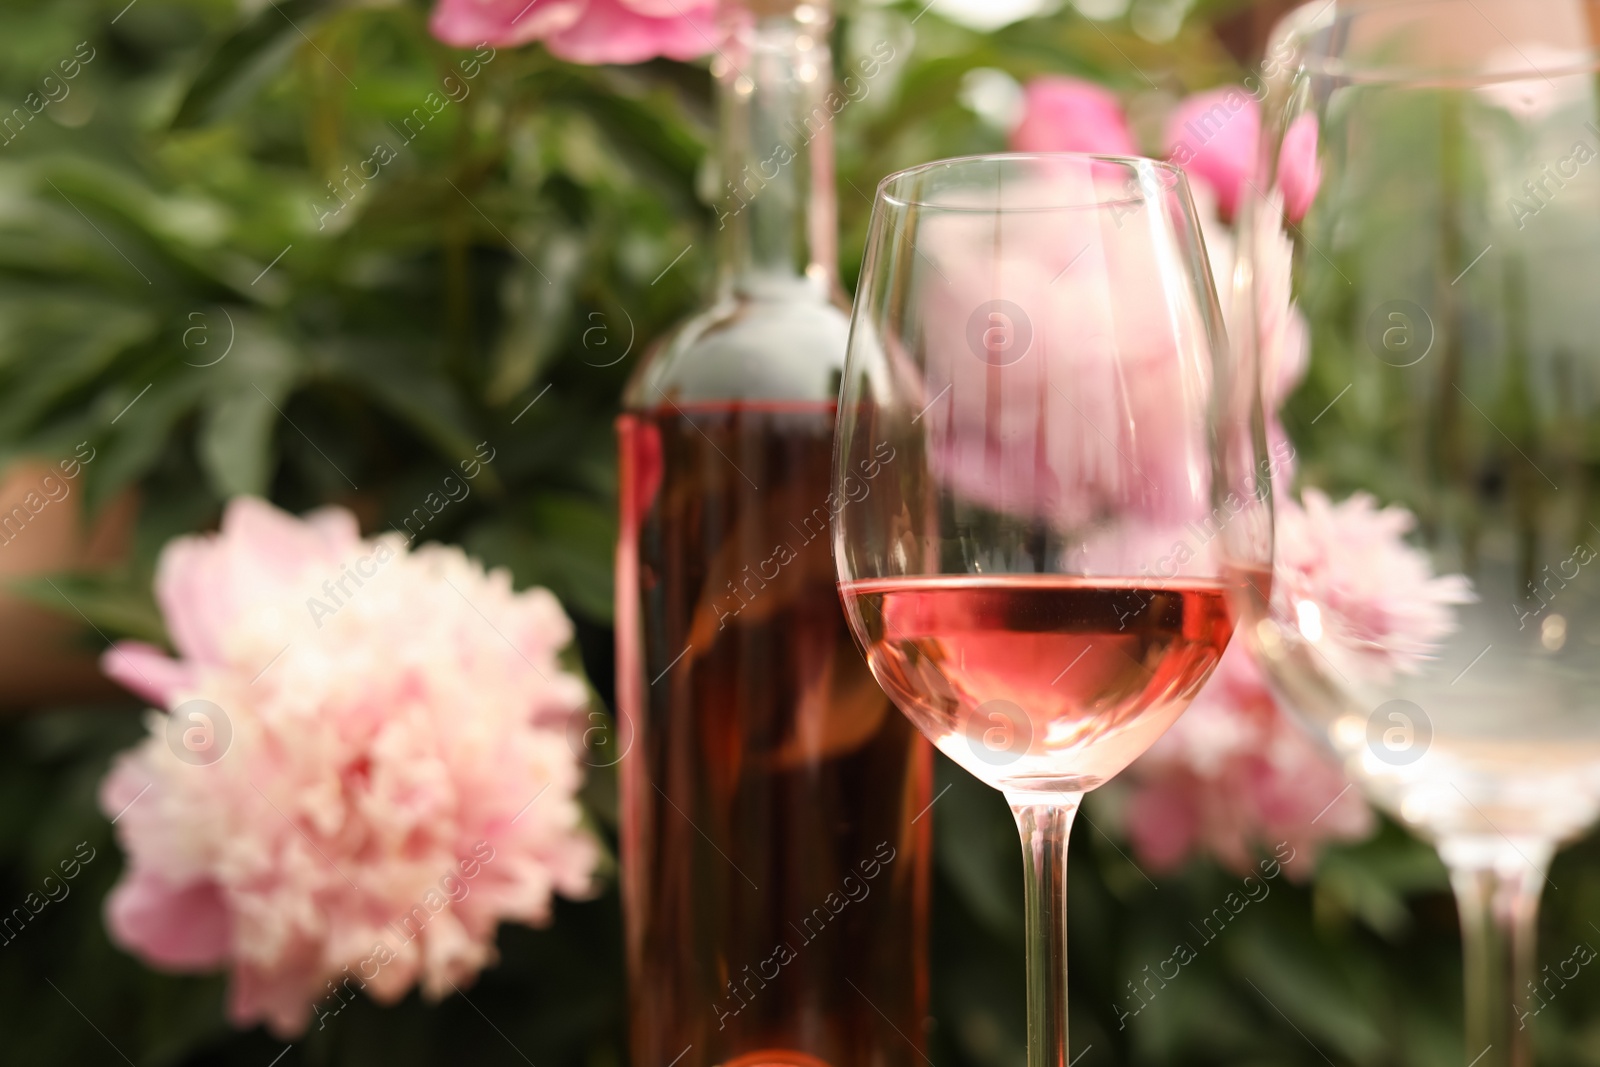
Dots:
(1045, 822)
(1497, 885)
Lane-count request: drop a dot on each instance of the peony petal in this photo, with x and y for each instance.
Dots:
(180, 928)
(337, 528)
(1299, 172)
(259, 537)
(282, 998)
(665, 9)
(190, 586)
(502, 23)
(1213, 137)
(206, 585)
(1235, 776)
(1163, 821)
(147, 671)
(1069, 115)
(126, 782)
(612, 33)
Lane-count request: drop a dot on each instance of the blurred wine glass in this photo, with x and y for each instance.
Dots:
(1049, 487)
(1445, 268)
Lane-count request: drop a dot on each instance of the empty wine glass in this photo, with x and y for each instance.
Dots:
(1445, 267)
(1049, 489)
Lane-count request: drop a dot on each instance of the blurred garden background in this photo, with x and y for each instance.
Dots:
(197, 302)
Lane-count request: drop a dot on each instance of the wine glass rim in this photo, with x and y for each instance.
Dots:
(1171, 172)
(1315, 16)
(1343, 8)
(1434, 78)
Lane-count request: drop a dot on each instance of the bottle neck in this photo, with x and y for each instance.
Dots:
(777, 219)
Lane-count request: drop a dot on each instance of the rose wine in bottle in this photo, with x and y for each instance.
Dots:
(774, 827)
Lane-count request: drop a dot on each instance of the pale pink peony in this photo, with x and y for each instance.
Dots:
(1380, 608)
(1213, 136)
(1299, 172)
(1234, 774)
(1283, 339)
(1106, 407)
(582, 31)
(398, 781)
(1070, 115)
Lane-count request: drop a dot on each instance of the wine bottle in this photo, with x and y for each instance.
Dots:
(775, 833)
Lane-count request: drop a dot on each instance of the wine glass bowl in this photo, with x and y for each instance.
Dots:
(1050, 492)
(1443, 269)
(1041, 683)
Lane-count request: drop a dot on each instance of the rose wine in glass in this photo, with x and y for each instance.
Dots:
(1051, 498)
(774, 865)
(978, 665)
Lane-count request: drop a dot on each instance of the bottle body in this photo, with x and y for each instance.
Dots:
(775, 840)
(775, 878)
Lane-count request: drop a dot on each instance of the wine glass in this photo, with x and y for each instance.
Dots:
(1049, 494)
(1445, 268)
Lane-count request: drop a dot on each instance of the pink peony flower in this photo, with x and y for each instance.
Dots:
(1107, 400)
(398, 779)
(1372, 602)
(582, 31)
(1299, 172)
(1068, 115)
(1235, 776)
(1234, 773)
(1283, 339)
(1213, 136)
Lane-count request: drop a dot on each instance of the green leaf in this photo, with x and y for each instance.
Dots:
(247, 59)
(236, 429)
(658, 151)
(117, 605)
(1306, 989)
(978, 849)
(83, 332)
(1373, 878)
(141, 419)
(393, 375)
(560, 541)
(535, 302)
